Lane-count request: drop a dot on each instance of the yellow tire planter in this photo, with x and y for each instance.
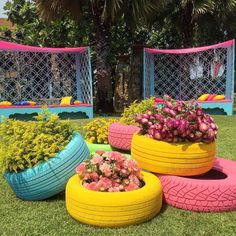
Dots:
(117, 208)
(185, 159)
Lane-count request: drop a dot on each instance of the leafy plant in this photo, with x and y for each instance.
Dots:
(110, 172)
(128, 116)
(97, 130)
(24, 144)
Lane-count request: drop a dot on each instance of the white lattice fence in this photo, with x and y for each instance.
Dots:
(45, 77)
(188, 73)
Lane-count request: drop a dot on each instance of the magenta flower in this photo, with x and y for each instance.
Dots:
(178, 121)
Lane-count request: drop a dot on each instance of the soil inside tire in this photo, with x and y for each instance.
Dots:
(210, 175)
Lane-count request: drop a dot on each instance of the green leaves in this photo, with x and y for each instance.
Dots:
(24, 144)
(128, 116)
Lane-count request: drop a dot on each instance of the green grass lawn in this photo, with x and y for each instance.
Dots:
(50, 217)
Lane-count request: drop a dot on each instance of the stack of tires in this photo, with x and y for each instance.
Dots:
(192, 177)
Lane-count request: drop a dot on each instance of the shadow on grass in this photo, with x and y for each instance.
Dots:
(60, 196)
(163, 208)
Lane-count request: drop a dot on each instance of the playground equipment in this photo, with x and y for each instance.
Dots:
(44, 75)
(186, 74)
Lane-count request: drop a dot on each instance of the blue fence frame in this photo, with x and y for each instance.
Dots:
(187, 75)
(44, 76)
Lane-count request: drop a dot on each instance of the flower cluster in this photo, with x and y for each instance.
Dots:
(110, 172)
(178, 121)
(97, 130)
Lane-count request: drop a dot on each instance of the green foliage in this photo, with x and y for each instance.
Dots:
(61, 32)
(127, 117)
(24, 144)
(97, 130)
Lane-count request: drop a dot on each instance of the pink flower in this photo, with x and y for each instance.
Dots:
(111, 172)
(106, 169)
(116, 182)
(134, 179)
(100, 152)
(126, 181)
(80, 169)
(114, 189)
(115, 156)
(86, 184)
(97, 159)
(121, 187)
(131, 186)
(91, 186)
(118, 166)
(131, 165)
(139, 175)
(124, 172)
(87, 176)
(93, 176)
(104, 183)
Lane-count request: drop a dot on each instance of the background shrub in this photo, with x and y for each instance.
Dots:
(128, 116)
(97, 130)
(24, 144)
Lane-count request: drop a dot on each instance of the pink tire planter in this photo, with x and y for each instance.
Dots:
(120, 136)
(214, 191)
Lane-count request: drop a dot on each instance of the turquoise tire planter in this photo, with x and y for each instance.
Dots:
(50, 177)
(93, 147)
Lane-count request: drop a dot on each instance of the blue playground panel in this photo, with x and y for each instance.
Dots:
(6, 112)
(226, 106)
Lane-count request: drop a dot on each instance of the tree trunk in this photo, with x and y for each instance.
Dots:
(104, 91)
(187, 30)
(136, 74)
(187, 26)
(121, 83)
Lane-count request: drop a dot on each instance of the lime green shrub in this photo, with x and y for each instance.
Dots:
(127, 117)
(97, 130)
(24, 144)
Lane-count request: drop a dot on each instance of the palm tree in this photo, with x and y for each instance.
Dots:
(103, 13)
(185, 15)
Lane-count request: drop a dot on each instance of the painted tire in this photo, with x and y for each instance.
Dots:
(120, 136)
(201, 193)
(114, 209)
(50, 177)
(184, 159)
(93, 147)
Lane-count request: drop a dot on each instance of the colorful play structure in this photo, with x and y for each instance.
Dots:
(186, 74)
(44, 76)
